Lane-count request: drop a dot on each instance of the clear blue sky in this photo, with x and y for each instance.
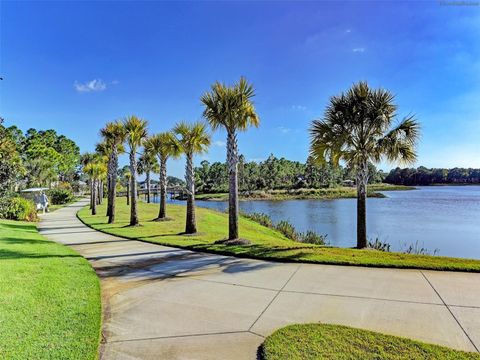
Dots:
(72, 66)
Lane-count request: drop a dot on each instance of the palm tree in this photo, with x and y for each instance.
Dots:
(357, 129)
(147, 163)
(101, 150)
(114, 136)
(85, 159)
(163, 145)
(194, 139)
(125, 177)
(231, 107)
(95, 170)
(136, 133)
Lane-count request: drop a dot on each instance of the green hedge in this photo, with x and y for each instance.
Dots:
(60, 196)
(18, 208)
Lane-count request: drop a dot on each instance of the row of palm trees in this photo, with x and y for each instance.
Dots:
(357, 128)
(228, 107)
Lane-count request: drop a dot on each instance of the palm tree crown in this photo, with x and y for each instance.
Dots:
(164, 145)
(230, 107)
(357, 127)
(194, 138)
(136, 131)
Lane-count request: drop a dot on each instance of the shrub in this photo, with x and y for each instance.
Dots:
(311, 237)
(287, 229)
(418, 249)
(60, 196)
(261, 218)
(18, 208)
(380, 245)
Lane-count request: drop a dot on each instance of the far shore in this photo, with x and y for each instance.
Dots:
(342, 192)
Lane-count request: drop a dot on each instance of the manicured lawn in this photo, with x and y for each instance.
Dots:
(322, 341)
(266, 243)
(49, 298)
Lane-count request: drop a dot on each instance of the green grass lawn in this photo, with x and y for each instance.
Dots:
(49, 298)
(266, 243)
(321, 341)
(339, 192)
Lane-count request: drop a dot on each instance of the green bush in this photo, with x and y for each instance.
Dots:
(378, 244)
(287, 229)
(60, 196)
(18, 208)
(261, 218)
(312, 237)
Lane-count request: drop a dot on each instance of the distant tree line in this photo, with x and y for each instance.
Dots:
(276, 173)
(36, 157)
(425, 176)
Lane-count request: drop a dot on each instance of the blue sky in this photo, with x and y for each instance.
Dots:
(73, 66)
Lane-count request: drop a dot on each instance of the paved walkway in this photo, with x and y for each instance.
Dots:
(165, 303)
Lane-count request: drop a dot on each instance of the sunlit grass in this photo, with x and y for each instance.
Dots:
(322, 341)
(49, 298)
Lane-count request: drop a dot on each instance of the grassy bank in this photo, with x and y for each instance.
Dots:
(266, 243)
(321, 341)
(49, 298)
(341, 192)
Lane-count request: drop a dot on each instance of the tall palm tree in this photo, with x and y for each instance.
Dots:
(164, 145)
(194, 139)
(357, 128)
(136, 133)
(147, 164)
(231, 108)
(113, 135)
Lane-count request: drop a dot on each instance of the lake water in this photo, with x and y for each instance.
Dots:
(446, 218)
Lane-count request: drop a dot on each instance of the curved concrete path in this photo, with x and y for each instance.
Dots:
(165, 303)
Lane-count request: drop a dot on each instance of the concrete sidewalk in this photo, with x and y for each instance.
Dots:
(166, 303)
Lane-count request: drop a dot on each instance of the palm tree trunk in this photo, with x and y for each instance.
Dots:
(362, 181)
(112, 194)
(162, 214)
(232, 160)
(109, 184)
(94, 195)
(133, 189)
(97, 192)
(100, 191)
(148, 186)
(190, 225)
(128, 192)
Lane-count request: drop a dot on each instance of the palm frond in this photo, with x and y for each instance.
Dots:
(230, 107)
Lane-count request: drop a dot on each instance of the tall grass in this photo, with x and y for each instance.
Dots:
(287, 229)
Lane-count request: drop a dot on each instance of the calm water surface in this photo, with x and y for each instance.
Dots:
(446, 218)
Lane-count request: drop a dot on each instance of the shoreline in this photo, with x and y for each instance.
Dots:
(374, 191)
